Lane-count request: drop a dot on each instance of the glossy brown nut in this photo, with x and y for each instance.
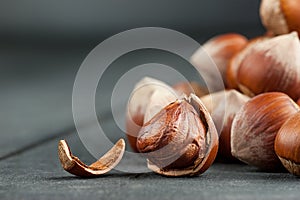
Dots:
(181, 140)
(236, 60)
(223, 106)
(280, 16)
(255, 126)
(272, 65)
(287, 144)
(221, 49)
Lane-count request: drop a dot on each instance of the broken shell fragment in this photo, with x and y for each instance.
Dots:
(75, 166)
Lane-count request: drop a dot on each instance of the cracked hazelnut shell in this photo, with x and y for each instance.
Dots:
(181, 140)
(138, 104)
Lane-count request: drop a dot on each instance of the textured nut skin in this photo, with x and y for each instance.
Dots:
(280, 16)
(255, 126)
(223, 106)
(221, 49)
(272, 65)
(138, 105)
(287, 144)
(181, 140)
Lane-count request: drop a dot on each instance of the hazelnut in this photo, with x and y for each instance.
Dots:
(255, 126)
(280, 16)
(235, 61)
(223, 106)
(190, 87)
(180, 140)
(138, 104)
(272, 65)
(287, 144)
(220, 48)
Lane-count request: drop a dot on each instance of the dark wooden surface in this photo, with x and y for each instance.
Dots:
(36, 111)
(37, 174)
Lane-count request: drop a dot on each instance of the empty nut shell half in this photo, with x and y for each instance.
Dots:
(75, 166)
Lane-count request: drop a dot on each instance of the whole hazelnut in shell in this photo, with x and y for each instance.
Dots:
(280, 16)
(287, 144)
(255, 126)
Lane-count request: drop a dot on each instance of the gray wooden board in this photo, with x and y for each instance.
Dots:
(37, 174)
(36, 88)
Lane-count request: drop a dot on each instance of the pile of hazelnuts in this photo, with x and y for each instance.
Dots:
(181, 129)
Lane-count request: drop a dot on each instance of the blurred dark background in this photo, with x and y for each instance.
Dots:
(82, 21)
(43, 43)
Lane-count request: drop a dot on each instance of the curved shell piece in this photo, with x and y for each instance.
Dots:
(199, 165)
(75, 166)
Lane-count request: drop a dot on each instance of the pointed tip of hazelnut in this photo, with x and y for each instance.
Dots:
(272, 16)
